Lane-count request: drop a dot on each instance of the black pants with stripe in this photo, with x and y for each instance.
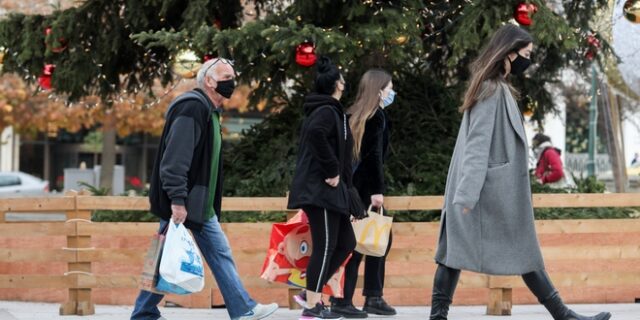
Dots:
(333, 241)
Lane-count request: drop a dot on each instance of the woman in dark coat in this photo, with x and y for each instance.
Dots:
(320, 185)
(487, 221)
(370, 129)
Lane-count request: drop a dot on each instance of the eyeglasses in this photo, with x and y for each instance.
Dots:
(222, 60)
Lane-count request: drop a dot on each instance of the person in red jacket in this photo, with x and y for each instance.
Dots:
(549, 165)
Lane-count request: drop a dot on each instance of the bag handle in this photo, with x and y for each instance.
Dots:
(380, 210)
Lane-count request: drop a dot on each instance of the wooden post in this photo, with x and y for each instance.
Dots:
(500, 297)
(293, 305)
(79, 302)
(499, 303)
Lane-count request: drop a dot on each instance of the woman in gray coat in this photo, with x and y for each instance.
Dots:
(487, 219)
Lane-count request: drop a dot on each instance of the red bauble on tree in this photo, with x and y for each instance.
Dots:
(45, 78)
(524, 12)
(593, 45)
(306, 54)
(62, 41)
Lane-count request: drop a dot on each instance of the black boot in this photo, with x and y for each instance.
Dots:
(540, 285)
(444, 285)
(348, 311)
(559, 311)
(377, 305)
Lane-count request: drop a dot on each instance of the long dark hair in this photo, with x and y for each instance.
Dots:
(489, 65)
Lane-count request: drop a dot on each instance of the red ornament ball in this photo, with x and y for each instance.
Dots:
(592, 41)
(44, 80)
(306, 54)
(524, 12)
(62, 41)
(593, 45)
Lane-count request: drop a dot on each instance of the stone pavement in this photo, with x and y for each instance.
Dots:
(10, 310)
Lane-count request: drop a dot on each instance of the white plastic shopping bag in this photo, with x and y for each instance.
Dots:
(181, 266)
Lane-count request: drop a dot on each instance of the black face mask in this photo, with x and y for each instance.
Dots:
(225, 88)
(519, 64)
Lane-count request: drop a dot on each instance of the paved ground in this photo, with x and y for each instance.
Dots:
(10, 310)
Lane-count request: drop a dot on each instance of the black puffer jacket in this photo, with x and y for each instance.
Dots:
(321, 146)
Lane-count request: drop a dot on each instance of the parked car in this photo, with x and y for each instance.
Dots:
(21, 184)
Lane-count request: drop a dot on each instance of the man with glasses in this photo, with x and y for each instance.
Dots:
(186, 187)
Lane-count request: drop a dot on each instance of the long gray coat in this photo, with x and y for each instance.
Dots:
(488, 174)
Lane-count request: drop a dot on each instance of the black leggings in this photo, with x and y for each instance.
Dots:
(333, 241)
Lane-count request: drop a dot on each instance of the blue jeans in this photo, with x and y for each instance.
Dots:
(216, 251)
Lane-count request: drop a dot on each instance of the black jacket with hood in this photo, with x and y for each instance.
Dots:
(323, 153)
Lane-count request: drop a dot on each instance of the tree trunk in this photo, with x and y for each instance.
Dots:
(619, 163)
(143, 162)
(46, 174)
(108, 153)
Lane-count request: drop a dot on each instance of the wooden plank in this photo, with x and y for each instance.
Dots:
(592, 200)
(414, 203)
(35, 255)
(35, 229)
(35, 281)
(417, 229)
(119, 281)
(591, 252)
(133, 256)
(426, 254)
(588, 226)
(113, 203)
(628, 255)
(142, 229)
(254, 204)
(575, 279)
(467, 280)
(37, 204)
(279, 204)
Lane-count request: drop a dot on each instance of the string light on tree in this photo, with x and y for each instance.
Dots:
(1, 57)
(401, 39)
(524, 13)
(186, 64)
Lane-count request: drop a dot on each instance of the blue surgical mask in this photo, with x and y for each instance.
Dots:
(389, 99)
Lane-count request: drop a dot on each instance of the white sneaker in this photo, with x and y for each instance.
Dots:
(260, 311)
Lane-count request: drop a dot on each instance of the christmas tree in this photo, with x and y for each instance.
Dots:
(87, 52)
(427, 45)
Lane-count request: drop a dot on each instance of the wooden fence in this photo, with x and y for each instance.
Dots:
(80, 262)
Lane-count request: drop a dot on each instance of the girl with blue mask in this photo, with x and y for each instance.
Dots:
(368, 123)
(385, 101)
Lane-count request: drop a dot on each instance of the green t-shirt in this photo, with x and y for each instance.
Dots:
(215, 161)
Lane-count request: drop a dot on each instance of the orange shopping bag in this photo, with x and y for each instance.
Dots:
(288, 255)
